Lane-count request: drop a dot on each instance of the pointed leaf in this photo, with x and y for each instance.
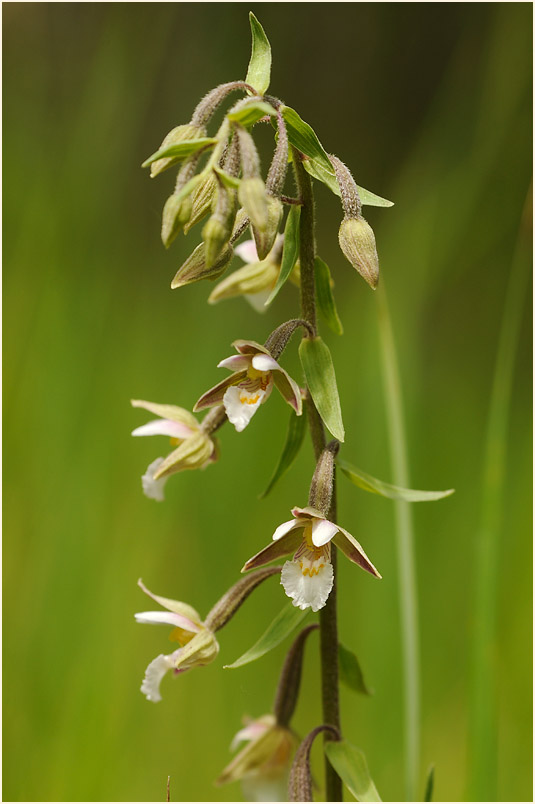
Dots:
(324, 294)
(430, 783)
(365, 481)
(290, 250)
(292, 445)
(319, 373)
(283, 625)
(304, 138)
(229, 181)
(318, 171)
(259, 71)
(181, 150)
(351, 766)
(350, 671)
(251, 113)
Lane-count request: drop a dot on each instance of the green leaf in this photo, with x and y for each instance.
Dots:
(318, 164)
(365, 481)
(229, 181)
(181, 150)
(259, 71)
(294, 439)
(430, 783)
(319, 373)
(283, 625)
(324, 294)
(350, 671)
(251, 113)
(290, 251)
(351, 766)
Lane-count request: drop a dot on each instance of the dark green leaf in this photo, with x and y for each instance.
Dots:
(319, 372)
(283, 625)
(181, 150)
(320, 172)
(351, 766)
(430, 783)
(290, 251)
(350, 671)
(304, 138)
(251, 113)
(324, 294)
(294, 439)
(365, 481)
(259, 72)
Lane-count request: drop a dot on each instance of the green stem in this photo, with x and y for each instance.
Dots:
(483, 760)
(408, 603)
(328, 615)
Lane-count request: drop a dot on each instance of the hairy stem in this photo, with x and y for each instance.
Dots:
(408, 602)
(328, 619)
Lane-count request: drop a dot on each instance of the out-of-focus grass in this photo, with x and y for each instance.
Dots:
(429, 105)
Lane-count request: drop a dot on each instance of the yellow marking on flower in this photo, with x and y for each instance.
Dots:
(255, 374)
(181, 636)
(175, 442)
(249, 400)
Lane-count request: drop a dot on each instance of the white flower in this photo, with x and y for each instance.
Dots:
(194, 448)
(308, 577)
(198, 645)
(249, 386)
(255, 280)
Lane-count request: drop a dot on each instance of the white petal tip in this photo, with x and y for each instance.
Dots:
(307, 591)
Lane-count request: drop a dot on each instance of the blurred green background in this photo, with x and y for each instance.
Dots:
(429, 105)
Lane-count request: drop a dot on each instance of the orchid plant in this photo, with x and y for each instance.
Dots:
(219, 180)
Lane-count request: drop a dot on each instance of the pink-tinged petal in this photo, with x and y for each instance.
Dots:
(166, 618)
(163, 427)
(215, 395)
(252, 731)
(240, 405)
(353, 550)
(172, 412)
(323, 531)
(265, 363)
(285, 528)
(246, 251)
(235, 363)
(289, 389)
(282, 547)
(307, 512)
(249, 347)
(176, 606)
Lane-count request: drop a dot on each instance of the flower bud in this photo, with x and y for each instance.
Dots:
(252, 280)
(176, 213)
(176, 135)
(202, 200)
(253, 198)
(265, 239)
(217, 231)
(195, 267)
(300, 781)
(321, 487)
(357, 242)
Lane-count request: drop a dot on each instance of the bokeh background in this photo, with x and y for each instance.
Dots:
(429, 105)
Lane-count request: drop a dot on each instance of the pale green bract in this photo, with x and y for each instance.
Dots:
(319, 373)
(283, 625)
(292, 445)
(430, 783)
(368, 483)
(259, 71)
(181, 150)
(351, 766)
(251, 113)
(290, 251)
(324, 296)
(350, 671)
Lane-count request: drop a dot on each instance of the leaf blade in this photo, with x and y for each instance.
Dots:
(351, 672)
(259, 70)
(372, 484)
(284, 623)
(294, 439)
(290, 251)
(251, 113)
(350, 764)
(325, 298)
(318, 367)
(181, 150)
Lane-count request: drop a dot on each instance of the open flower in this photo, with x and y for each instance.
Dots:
(308, 577)
(263, 764)
(194, 448)
(256, 279)
(250, 384)
(198, 645)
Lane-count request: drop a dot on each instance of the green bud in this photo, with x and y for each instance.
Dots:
(195, 267)
(176, 135)
(202, 201)
(215, 234)
(357, 242)
(176, 214)
(322, 485)
(252, 197)
(265, 239)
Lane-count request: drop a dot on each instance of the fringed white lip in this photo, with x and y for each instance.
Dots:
(153, 489)
(241, 405)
